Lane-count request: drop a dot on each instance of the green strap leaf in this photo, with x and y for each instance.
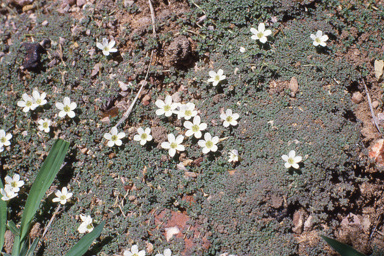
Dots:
(343, 249)
(12, 226)
(44, 179)
(3, 218)
(16, 246)
(85, 242)
(33, 247)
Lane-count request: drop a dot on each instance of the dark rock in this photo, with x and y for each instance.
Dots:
(32, 56)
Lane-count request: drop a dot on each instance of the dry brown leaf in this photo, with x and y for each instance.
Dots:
(379, 65)
(293, 86)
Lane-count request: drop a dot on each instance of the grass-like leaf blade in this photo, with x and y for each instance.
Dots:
(343, 249)
(13, 228)
(44, 179)
(33, 247)
(3, 218)
(85, 242)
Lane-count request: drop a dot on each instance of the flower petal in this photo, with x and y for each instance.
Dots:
(99, 45)
(263, 40)
(59, 105)
(261, 27)
(267, 32)
(166, 145)
(71, 114)
(172, 152)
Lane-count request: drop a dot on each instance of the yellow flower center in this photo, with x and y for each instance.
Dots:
(3, 140)
(144, 136)
(63, 197)
(114, 137)
(228, 119)
(167, 108)
(89, 226)
(195, 128)
(260, 34)
(217, 78)
(209, 144)
(173, 145)
(28, 103)
(14, 184)
(66, 108)
(291, 161)
(188, 112)
(45, 125)
(38, 101)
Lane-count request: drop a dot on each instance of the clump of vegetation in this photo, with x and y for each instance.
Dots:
(245, 206)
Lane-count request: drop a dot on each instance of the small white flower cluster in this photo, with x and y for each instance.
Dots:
(261, 34)
(106, 47)
(31, 103)
(135, 252)
(291, 160)
(62, 196)
(37, 99)
(12, 187)
(4, 139)
(167, 108)
(187, 111)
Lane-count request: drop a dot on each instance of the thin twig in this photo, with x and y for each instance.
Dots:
(50, 222)
(370, 106)
(153, 17)
(144, 82)
(373, 231)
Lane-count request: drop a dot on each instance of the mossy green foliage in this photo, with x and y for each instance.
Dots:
(317, 124)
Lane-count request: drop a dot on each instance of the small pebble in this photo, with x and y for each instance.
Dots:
(375, 104)
(357, 97)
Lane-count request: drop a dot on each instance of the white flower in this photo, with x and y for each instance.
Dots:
(4, 138)
(216, 77)
(167, 252)
(106, 47)
(28, 103)
(14, 182)
(173, 144)
(260, 34)
(7, 193)
(66, 108)
(209, 143)
(38, 98)
(62, 196)
(143, 136)
(229, 118)
(319, 38)
(114, 137)
(134, 251)
(87, 225)
(187, 111)
(233, 156)
(242, 49)
(291, 160)
(166, 107)
(195, 128)
(44, 125)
